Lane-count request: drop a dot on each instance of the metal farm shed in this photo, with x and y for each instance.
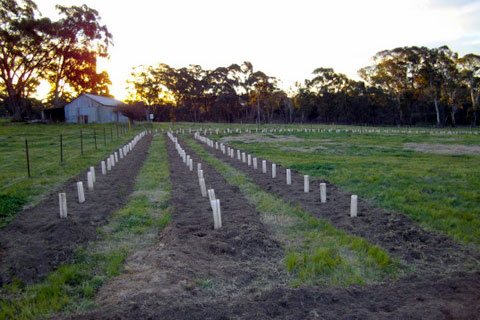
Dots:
(89, 108)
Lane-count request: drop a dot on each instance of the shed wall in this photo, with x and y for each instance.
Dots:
(96, 113)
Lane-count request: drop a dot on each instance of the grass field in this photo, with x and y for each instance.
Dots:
(397, 171)
(440, 191)
(47, 170)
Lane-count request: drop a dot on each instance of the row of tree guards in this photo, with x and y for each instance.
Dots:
(93, 138)
(207, 131)
(106, 165)
(210, 193)
(253, 162)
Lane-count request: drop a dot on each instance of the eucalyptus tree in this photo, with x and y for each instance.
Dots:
(470, 74)
(26, 51)
(305, 101)
(35, 48)
(263, 87)
(390, 73)
(430, 78)
(80, 40)
(147, 89)
(450, 81)
(223, 86)
(329, 88)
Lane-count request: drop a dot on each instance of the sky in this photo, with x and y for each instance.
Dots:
(284, 39)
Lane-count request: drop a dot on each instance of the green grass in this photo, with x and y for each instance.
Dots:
(71, 288)
(301, 127)
(205, 284)
(9, 206)
(441, 192)
(316, 252)
(47, 171)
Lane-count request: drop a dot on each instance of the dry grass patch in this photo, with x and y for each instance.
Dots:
(451, 149)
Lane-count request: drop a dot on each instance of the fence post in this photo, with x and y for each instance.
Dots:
(104, 137)
(81, 142)
(111, 134)
(28, 157)
(95, 138)
(61, 148)
(117, 129)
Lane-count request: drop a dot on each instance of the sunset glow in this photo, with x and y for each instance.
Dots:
(285, 39)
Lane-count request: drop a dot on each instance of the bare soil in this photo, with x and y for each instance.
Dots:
(195, 272)
(458, 149)
(299, 149)
(38, 241)
(192, 264)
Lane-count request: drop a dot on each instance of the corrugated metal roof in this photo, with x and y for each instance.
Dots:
(104, 100)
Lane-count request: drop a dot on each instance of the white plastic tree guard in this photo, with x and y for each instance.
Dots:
(217, 214)
(104, 168)
(92, 170)
(62, 200)
(203, 188)
(80, 192)
(323, 192)
(89, 181)
(353, 205)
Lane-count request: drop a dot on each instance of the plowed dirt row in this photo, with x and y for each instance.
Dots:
(428, 295)
(424, 251)
(38, 241)
(193, 265)
(195, 272)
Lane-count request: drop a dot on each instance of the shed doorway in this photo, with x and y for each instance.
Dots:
(82, 119)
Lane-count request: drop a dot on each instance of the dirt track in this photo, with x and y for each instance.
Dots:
(38, 241)
(194, 272)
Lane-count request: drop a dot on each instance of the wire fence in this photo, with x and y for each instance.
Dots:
(37, 153)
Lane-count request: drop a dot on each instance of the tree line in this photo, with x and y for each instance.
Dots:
(403, 86)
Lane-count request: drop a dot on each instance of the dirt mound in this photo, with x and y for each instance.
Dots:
(38, 241)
